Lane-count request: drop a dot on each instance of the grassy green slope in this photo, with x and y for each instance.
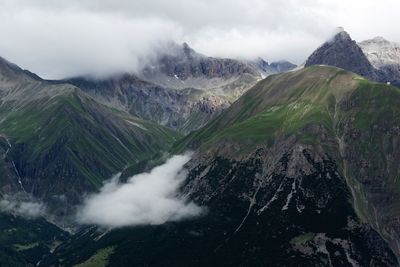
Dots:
(279, 105)
(355, 120)
(71, 141)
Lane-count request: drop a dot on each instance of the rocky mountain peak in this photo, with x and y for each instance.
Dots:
(342, 35)
(187, 50)
(343, 52)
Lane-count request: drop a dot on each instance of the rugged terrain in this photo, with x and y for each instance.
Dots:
(54, 137)
(300, 171)
(384, 56)
(376, 59)
(180, 88)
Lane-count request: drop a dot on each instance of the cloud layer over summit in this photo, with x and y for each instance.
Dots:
(63, 38)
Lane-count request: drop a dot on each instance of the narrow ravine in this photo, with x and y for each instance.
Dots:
(19, 180)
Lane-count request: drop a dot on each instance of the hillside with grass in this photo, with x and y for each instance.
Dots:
(300, 171)
(54, 137)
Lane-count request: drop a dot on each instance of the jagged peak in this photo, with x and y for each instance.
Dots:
(187, 50)
(340, 35)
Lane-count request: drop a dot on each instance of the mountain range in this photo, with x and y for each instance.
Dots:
(180, 88)
(292, 166)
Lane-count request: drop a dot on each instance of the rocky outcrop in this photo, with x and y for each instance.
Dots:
(385, 57)
(180, 88)
(343, 52)
(289, 208)
(183, 110)
(181, 67)
(376, 59)
(358, 129)
(267, 69)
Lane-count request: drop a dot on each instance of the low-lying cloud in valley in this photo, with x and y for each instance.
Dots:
(22, 207)
(146, 198)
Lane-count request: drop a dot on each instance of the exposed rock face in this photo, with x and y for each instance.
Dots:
(181, 67)
(181, 88)
(343, 52)
(267, 69)
(289, 208)
(183, 109)
(384, 56)
(363, 135)
(376, 59)
(57, 143)
(380, 52)
(300, 171)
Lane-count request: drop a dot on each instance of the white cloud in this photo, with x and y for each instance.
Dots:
(24, 208)
(63, 43)
(63, 38)
(147, 198)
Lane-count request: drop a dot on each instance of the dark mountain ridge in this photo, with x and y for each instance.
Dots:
(180, 88)
(58, 143)
(343, 52)
(289, 177)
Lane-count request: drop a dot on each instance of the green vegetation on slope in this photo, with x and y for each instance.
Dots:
(355, 120)
(100, 259)
(71, 141)
(279, 106)
(24, 242)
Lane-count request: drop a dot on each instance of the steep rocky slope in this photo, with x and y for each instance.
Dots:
(181, 67)
(376, 59)
(300, 171)
(384, 56)
(267, 69)
(180, 88)
(354, 120)
(180, 109)
(57, 143)
(343, 52)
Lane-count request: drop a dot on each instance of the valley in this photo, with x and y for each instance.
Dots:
(275, 165)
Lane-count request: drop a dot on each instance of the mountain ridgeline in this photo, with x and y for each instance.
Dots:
(180, 88)
(297, 172)
(296, 169)
(54, 137)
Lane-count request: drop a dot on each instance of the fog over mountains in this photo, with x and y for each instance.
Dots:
(79, 37)
(199, 133)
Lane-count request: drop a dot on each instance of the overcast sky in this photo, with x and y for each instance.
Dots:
(56, 39)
